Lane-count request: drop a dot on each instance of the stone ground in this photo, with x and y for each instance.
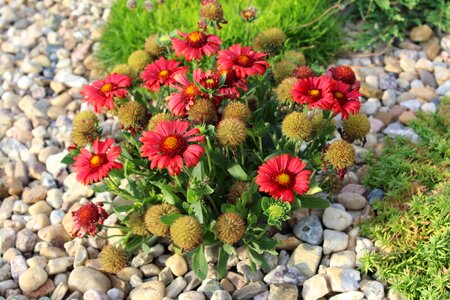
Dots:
(46, 57)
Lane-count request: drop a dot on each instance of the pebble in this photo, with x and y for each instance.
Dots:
(177, 264)
(154, 290)
(25, 240)
(191, 295)
(309, 229)
(421, 33)
(373, 290)
(315, 287)
(336, 219)
(389, 98)
(306, 259)
(221, 295)
(343, 259)
(18, 266)
(176, 287)
(343, 279)
(397, 129)
(60, 291)
(334, 241)
(444, 89)
(249, 291)
(83, 279)
(283, 292)
(285, 274)
(115, 294)
(371, 106)
(32, 279)
(429, 107)
(353, 295)
(95, 295)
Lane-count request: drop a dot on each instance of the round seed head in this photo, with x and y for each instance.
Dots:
(138, 60)
(131, 114)
(357, 126)
(270, 40)
(296, 126)
(341, 155)
(283, 69)
(237, 110)
(85, 128)
(157, 118)
(186, 233)
(152, 46)
(124, 69)
(236, 190)
(211, 11)
(152, 218)
(230, 227)
(231, 132)
(203, 111)
(295, 57)
(284, 90)
(112, 258)
(136, 224)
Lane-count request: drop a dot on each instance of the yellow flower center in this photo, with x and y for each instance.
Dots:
(338, 95)
(314, 93)
(197, 39)
(96, 161)
(107, 87)
(195, 36)
(283, 179)
(243, 60)
(210, 81)
(190, 90)
(163, 74)
(248, 14)
(170, 143)
(173, 145)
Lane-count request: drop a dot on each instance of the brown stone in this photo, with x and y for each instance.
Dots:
(406, 117)
(421, 33)
(44, 290)
(369, 91)
(385, 116)
(432, 48)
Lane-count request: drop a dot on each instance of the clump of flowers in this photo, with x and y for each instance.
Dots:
(216, 145)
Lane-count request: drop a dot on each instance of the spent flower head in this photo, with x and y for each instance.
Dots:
(249, 14)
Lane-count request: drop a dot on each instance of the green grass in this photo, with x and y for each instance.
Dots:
(412, 225)
(127, 30)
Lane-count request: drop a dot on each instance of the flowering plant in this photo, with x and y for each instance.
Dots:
(217, 147)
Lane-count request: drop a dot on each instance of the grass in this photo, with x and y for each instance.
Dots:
(127, 30)
(412, 225)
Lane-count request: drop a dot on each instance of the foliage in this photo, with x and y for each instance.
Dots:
(206, 185)
(127, 29)
(388, 20)
(412, 225)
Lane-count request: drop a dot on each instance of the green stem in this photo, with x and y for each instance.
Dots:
(241, 149)
(260, 147)
(247, 33)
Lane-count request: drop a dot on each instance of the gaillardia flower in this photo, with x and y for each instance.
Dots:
(153, 47)
(203, 111)
(356, 127)
(344, 74)
(161, 72)
(94, 166)
(136, 224)
(341, 155)
(212, 11)
(112, 258)
(314, 91)
(232, 84)
(283, 175)
(296, 126)
(230, 227)
(243, 60)
(186, 233)
(195, 45)
(170, 143)
(87, 219)
(152, 218)
(181, 101)
(85, 128)
(249, 14)
(132, 115)
(345, 101)
(101, 93)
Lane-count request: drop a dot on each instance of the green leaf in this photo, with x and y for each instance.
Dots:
(310, 202)
(314, 189)
(228, 248)
(145, 248)
(198, 211)
(100, 188)
(198, 172)
(222, 261)
(199, 263)
(169, 219)
(237, 172)
(169, 196)
(257, 258)
(69, 158)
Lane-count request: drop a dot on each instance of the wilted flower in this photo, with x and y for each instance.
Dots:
(87, 219)
(101, 93)
(295, 57)
(186, 233)
(132, 115)
(148, 5)
(249, 14)
(124, 69)
(283, 175)
(112, 258)
(344, 74)
(131, 4)
(94, 166)
(243, 60)
(170, 145)
(212, 12)
(230, 227)
(195, 45)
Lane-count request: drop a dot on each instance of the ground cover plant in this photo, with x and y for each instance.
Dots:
(216, 149)
(387, 20)
(412, 225)
(311, 25)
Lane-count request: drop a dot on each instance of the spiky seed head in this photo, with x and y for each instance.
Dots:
(152, 218)
(154, 120)
(186, 233)
(283, 69)
(231, 132)
(112, 258)
(236, 190)
(238, 110)
(295, 57)
(357, 126)
(85, 128)
(303, 72)
(284, 89)
(296, 126)
(203, 111)
(124, 69)
(138, 60)
(136, 224)
(211, 11)
(152, 46)
(344, 74)
(230, 227)
(341, 155)
(270, 40)
(318, 121)
(131, 114)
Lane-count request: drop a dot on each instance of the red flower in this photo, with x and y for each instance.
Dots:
(249, 14)
(169, 144)
(346, 101)
(87, 218)
(344, 74)
(161, 72)
(94, 166)
(243, 60)
(101, 93)
(180, 102)
(210, 82)
(303, 72)
(195, 45)
(314, 91)
(283, 175)
(231, 84)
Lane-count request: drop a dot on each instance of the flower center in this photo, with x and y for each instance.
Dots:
(164, 74)
(283, 179)
(88, 214)
(107, 87)
(173, 145)
(96, 160)
(243, 60)
(338, 95)
(190, 90)
(197, 39)
(276, 211)
(248, 14)
(315, 94)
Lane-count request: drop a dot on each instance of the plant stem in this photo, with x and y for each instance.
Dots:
(247, 33)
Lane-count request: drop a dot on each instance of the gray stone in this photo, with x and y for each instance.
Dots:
(343, 259)
(353, 295)
(396, 129)
(283, 292)
(427, 78)
(444, 88)
(83, 279)
(343, 279)
(309, 229)
(221, 295)
(334, 241)
(95, 295)
(336, 219)
(249, 291)
(284, 274)
(248, 273)
(176, 287)
(209, 286)
(191, 295)
(375, 195)
(306, 259)
(352, 201)
(7, 239)
(373, 290)
(26, 240)
(315, 287)
(32, 279)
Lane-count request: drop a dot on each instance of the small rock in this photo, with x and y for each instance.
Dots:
(32, 279)
(176, 287)
(54, 234)
(343, 259)
(336, 219)
(25, 240)
(221, 295)
(7, 239)
(141, 259)
(389, 98)
(208, 287)
(154, 290)
(371, 106)
(95, 295)
(334, 241)
(60, 291)
(314, 288)
(115, 294)
(352, 201)
(369, 91)
(392, 65)
(249, 291)
(343, 280)
(406, 117)
(18, 266)
(441, 74)
(397, 129)
(373, 290)
(426, 93)
(59, 265)
(283, 274)
(306, 259)
(429, 107)
(427, 78)
(420, 33)
(35, 194)
(283, 292)
(444, 88)
(177, 265)
(376, 194)
(248, 273)
(353, 295)
(309, 229)
(45, 289)
(83, 279)
(432, 48)
(191, 295)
